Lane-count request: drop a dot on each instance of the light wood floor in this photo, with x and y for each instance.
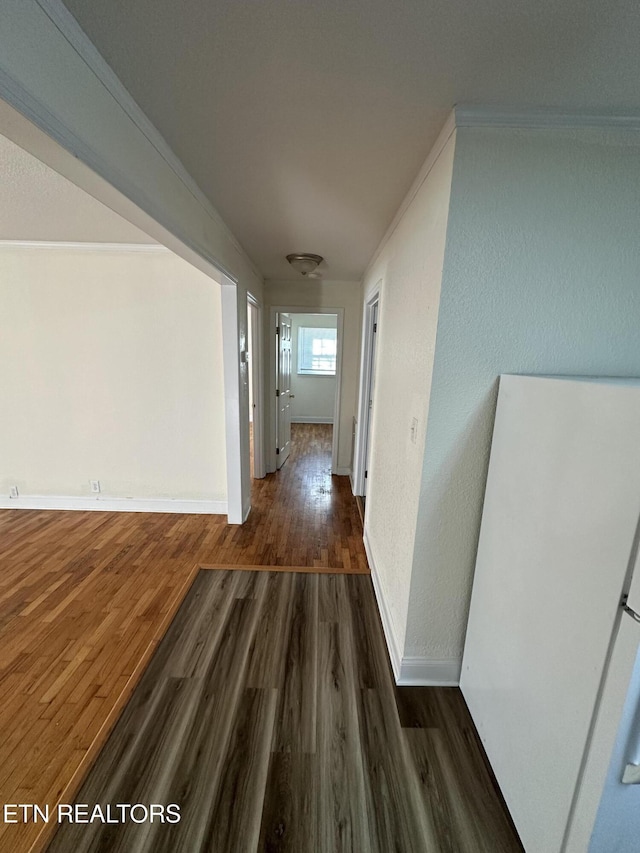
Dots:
(86, 596)
(269, 716)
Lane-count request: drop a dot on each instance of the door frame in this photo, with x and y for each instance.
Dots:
(273, 368)
(233, 395)
(257, 374)
(363, 436)
(283, 396)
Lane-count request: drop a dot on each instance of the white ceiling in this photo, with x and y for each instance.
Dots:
(37, 203)
(305, 121)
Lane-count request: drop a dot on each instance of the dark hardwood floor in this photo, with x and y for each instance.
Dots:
(268, 714)
(86, 596)
(301, 516)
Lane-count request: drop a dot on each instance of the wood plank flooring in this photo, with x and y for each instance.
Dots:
(86, 596)
(301, 516)
(269, 715)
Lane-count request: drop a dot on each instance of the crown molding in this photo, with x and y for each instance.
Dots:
(136, 248)
(69, 28)
(436, 150)
(478, 116)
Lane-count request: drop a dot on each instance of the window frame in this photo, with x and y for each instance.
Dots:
(301, 370)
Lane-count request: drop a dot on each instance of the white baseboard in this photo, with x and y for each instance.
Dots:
(310, 419)
(425, 672)
(341, 472)
(409, 671)
(113, 504)
(385, 615)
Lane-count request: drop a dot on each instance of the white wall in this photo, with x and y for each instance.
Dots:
(540, 276)
(315, 396)
(325, 294)
(409, 268)
(83, 123)
(111, 369)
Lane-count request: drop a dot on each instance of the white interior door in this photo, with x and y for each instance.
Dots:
(372, 382)
(283, 389)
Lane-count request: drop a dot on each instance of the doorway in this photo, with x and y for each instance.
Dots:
(306, 375)
(361, 480)
(254, 380)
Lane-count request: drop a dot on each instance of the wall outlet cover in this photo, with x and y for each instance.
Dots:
(95, 486)
(13, 492)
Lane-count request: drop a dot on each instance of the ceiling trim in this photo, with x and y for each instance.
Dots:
(421, 177)
(137, 248)
(64, 21)
(478, 116)
(472, 116)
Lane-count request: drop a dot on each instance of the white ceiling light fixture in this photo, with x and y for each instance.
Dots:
(305, 263)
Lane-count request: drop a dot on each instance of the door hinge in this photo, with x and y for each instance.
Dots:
(277, 393)
(627, 609)
(277, 451)
(277, 330)
(365, 474)
(375, 327)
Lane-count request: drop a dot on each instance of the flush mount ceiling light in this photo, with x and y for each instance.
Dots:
(304, 263)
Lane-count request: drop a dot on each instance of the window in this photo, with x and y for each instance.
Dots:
(317, 351)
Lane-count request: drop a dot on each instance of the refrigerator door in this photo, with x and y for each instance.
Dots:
(607, 812)
(559, 521)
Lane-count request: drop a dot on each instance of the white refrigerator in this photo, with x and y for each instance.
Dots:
(550, 670)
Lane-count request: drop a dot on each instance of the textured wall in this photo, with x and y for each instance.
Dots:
(410, 269)
(111, 368)
(541, 276)
(39, 204)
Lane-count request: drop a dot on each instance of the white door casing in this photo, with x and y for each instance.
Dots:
(366, 391)
(271, 458)
(372, 383)
(256, 356)
(232, 392)
(283, 389)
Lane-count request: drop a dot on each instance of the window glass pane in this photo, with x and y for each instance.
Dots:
(317, 351)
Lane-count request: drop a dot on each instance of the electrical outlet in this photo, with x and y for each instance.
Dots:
(13, 492)
(95, 486)
(414, 430)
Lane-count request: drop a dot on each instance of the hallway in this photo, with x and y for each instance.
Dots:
(301, 516)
